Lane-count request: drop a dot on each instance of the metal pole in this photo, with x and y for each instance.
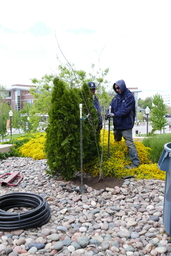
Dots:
(10, 115)
(103, 135)
(109, 133)
(11, 126)
(81, 152)
(147, 124)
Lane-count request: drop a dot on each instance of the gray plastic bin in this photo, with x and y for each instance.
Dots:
(165, 165)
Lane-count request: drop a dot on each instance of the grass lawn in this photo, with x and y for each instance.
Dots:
(8, 137)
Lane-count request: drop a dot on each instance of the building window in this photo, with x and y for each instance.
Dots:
(18, 102)
(29, 101)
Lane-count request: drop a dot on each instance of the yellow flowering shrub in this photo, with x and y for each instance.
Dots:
(112, 166)
(34, 147)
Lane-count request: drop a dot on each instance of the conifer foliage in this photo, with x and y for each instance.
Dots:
(62, 145)
(91, 136)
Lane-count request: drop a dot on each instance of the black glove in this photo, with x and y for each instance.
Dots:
(109, 115)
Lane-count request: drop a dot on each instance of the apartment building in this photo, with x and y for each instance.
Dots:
(19, 94)
(166, 98)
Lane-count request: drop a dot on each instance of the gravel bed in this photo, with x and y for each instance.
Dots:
(123, 221)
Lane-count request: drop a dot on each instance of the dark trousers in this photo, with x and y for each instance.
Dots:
(127, 135)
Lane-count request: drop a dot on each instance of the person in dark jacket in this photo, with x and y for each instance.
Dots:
(96, 104)
(123, 114)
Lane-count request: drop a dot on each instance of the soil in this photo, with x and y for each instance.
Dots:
(95, 183)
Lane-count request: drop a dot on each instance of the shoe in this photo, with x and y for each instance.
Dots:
(130, 166)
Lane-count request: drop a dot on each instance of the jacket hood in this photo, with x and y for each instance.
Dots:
(122, 86)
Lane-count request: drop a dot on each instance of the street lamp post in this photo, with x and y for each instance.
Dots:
(10, 115)
(147, 112)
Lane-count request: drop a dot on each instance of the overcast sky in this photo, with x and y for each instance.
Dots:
(130, 37)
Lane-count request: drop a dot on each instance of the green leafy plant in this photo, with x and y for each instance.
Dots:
(5, 155)
(158, 112)
(156, 143)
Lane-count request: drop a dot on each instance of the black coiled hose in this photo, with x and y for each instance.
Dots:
(36, 217)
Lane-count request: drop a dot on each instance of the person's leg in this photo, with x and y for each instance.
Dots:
(127, 134)
(117, 135)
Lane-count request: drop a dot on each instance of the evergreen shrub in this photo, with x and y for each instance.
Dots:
(62, 144)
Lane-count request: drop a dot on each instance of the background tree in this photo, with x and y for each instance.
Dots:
(4, 116)
(42, 93)
(145, 103)
(25, 120)
(17, 120)
(4, 112)
(157, 113)
(74, 78)
(3, 93)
